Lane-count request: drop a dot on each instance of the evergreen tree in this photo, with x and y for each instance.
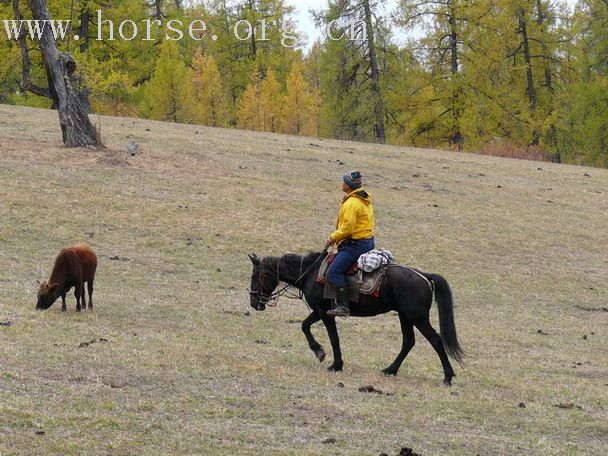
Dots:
(168, 96)
(442, 89)
(351, 73)
(271, 103)
(582, 128)
(300, 116)
(249, 115)
(351, 79)
(209, 97)
(260, 107)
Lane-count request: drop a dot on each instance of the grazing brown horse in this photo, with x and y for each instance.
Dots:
(73, 267)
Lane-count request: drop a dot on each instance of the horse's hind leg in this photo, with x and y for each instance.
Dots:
(312, 343)
(90, 288)
(332, 332)
(78, 294)
(83, 297)
(435, 340)
(407, 329)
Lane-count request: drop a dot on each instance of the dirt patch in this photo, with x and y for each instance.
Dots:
(372, 389)
(592, 309)
(405, 451)
(101, 340)
(568, 406)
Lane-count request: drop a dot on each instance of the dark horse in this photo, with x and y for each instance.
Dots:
(406, 291)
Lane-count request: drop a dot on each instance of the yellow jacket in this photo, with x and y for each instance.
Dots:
(356, 217)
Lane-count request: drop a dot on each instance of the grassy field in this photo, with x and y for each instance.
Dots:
(173, 361)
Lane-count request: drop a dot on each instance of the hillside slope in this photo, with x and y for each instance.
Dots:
(173, 361)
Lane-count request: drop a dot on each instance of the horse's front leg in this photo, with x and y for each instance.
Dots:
(332, 332)
(312, 343)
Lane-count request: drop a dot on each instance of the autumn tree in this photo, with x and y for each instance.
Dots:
(442, 49)
(351, 71)
(352, 77)
(582, 128)
(249, 115)
(300, 110)
(168, 96)
(260, 108)
(210, 101)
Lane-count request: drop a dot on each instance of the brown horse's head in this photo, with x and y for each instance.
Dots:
(47, 295)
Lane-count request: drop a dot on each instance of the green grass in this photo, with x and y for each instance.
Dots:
(524, 249)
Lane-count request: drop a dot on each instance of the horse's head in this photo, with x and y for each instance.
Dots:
(47, 294)
(263, 283)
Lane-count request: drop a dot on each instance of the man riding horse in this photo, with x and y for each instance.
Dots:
(354, 236)
(404, 290)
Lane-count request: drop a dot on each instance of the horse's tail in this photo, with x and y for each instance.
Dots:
(447, 328)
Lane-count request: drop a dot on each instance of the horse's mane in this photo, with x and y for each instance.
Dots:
(293, 262)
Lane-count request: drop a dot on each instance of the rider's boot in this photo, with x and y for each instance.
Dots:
(342, 308)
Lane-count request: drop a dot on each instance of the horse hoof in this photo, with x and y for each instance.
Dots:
(389, 372)
(447, 381)
(320, 354)
(334, 368)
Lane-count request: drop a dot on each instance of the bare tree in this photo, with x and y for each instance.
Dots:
(70, 100)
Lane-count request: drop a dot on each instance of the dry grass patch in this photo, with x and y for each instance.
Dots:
(175, 367)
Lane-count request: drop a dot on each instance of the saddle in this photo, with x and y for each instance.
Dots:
(358, 281)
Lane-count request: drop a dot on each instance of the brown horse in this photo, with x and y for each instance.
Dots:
(73, 267)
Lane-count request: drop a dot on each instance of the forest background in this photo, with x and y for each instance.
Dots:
(524, 78)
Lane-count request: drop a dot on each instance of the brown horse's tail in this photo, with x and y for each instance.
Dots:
(447, 327)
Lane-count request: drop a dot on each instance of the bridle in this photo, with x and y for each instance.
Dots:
(271, 299)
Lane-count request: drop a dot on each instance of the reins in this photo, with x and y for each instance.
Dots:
(272, 299)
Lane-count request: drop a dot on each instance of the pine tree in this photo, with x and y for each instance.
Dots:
(260, 107)
(249, 116)
(238, 55)
(300, 116)
(442, 89)
(582, 128)
(271, 103)
(209, 96)
(351, 81)
(168, 95)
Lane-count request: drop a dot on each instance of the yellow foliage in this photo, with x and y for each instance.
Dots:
(168, 94)
(210, 106)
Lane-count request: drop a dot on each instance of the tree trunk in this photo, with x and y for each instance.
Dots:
(540, 20)
(379, 128)
(26, 81)
(456, 135)
(523, 29)
(254, 46)
(72, 104)
(158, 9)
(85, 17)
